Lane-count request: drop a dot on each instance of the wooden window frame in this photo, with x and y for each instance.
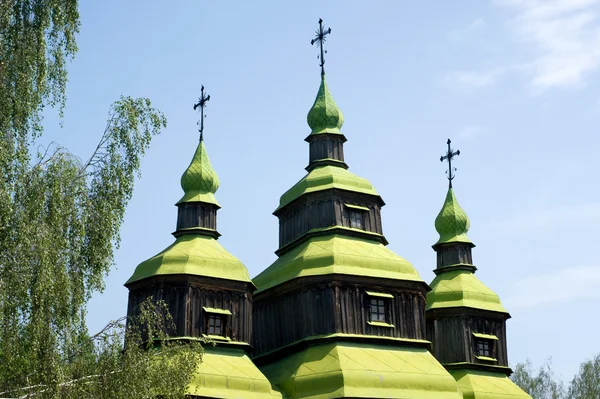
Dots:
(217, 314)
(379, 309)
(218, 319)
(485, 349)
(357, 212)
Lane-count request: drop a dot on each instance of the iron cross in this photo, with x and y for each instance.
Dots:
(449, 156)
(320, 38)
(201, 104)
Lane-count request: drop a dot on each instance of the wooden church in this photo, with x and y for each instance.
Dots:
(338, 314)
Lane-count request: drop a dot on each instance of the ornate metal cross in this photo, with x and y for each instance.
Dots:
(201, 104)
(320, 38)
(449, 156)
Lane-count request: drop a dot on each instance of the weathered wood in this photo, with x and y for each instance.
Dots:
(196, 214)
(332, 304)
(187, 295)
(454, 254)
(326, 146)
(326, 209)
(451, 333)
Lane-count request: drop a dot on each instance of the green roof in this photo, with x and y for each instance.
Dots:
(359, 370)
(324, 178)
(229, 373)
(476, 384)
(452, 223)
(196, 255)
(336, 254)
(324, 116)
(200, 181)
(457, 288)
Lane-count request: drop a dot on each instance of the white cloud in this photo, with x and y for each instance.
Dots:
(572, 283)
(544, 219)
(565, 39)
(470, 132)
(562, 38)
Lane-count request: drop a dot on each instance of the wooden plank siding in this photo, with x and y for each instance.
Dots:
(326, 147)
(196, 214)
(315, 308)
(186, 301)
(454, 254)
(326, 209)
(451, 334)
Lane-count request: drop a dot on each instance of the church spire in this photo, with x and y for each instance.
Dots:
(199, 181)
(320, 39)
(202, 100)
(324, 115)
(452, 223)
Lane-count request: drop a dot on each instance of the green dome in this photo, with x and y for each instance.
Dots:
(336, 254)
(326, 177)
(458, 288)
(200, 181)
(196, 255)
(452, 223)
(325, 116)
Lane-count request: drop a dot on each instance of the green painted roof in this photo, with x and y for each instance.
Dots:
(336, 254)
(324, 116)
(200, 181)
(476, 384)
(193, 254)
(326, 177)
(353, 370)
(457, 288)
(229, 373)
(452, 223)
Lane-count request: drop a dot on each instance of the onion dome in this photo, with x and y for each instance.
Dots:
(452, 223)
(200, 181)
(325, 116)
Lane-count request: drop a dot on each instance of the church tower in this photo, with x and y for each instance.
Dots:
(466, 321)
(338, 314)
(207, 289)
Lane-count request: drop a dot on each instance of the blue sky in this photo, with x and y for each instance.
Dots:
(514, 83)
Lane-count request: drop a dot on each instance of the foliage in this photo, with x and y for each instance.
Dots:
(540, 385)
(60, 219)
(545, 385)
(101, 368)
(586, 383)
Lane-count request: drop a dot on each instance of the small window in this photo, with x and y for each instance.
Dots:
(215, 324)
(379, 309)
(216, 321)
(485, 347)
(356, 219)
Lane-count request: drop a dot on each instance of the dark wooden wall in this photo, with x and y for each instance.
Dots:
(325, 209)
(454, 254)
(308, 308)
(326, 147)
(453, 340)
(196, 214)
(185, 301)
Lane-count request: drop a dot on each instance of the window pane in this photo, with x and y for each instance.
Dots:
(378, 309)
(356, 219)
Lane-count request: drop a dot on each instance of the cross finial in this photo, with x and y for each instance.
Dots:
(320, 38)
(448, 157)
(201, 104)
